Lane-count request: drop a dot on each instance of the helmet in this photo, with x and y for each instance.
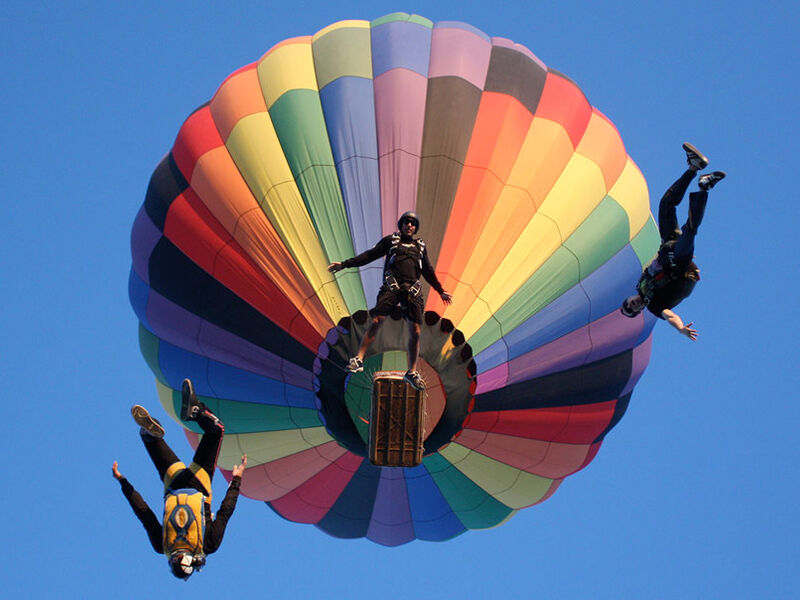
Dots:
(408, 216)
(630, 310)
(626, 310)
(183, 564)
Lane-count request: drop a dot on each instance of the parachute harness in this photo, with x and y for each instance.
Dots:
(389, 280)
(659, 273)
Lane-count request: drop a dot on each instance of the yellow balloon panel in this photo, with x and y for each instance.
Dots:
(514, 488)
(288, 66)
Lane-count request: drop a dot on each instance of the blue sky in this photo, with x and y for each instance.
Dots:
(693, 495)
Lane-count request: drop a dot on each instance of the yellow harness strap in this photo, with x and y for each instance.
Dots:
(199, 473)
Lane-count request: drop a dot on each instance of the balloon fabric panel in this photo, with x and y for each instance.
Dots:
(400, 58)
(215, 179)
(349, 517)
(512, 212)
(176, 278)
(255, 148)
(342, 50)
(433, 518)
(499, 132)
(289, 84)
(473, 506)
(277, 478)
(235, 99)
(344, 74)
(507, 484)
(313, 499)
(454, 91)
(246, 373)
(547, 459)
(193, 229)
(391, 517)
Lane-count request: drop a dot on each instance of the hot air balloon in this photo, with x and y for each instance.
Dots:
(534, 217)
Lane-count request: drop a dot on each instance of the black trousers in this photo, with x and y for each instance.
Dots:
(668, 218)
(205, 456)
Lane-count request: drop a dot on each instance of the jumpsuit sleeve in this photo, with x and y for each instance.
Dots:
(429, 274)
(146, 516)
(380, 249)
(216, 529)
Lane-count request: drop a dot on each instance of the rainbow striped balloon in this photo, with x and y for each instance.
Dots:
(535, 219)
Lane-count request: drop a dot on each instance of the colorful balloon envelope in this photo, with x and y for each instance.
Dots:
(534, 217)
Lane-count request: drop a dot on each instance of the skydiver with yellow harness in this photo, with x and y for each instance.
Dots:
(189, 531)
(406, 261)
(672, 275)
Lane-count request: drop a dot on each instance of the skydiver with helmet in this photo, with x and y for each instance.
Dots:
(406, 260)
(189, 531)
(672, 274)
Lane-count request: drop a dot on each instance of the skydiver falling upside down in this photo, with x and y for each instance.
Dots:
(672, 275)
(406, 261)
(188, 532)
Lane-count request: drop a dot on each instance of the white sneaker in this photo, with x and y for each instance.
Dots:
(694, 157)
(146, 422)
(414, 379)
(709, 180)
(355, 365)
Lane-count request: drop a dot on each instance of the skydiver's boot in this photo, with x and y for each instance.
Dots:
(709, 180)
(414, 379)
(194, 410)
(694, 158)
(148, 424)
(190, 407)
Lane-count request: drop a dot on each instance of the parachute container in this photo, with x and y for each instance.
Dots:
(535, 219)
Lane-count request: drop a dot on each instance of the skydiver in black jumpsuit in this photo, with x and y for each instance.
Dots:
(672, 275)
(406, 260)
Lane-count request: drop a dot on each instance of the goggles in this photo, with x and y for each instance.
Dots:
(187, 562)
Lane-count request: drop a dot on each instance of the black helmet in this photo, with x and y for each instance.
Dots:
(626, 310)
(629, 310)
(408, 216)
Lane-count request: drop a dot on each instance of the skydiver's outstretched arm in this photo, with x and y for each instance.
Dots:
(146, 516)
(380, 249)
(674, 320)
(216, 527)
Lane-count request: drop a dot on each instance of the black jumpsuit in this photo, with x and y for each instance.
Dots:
(406, 260)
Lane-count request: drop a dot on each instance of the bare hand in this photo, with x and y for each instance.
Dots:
(115, 472)
(689, 332)
(446, 298)
(674, 320)
(335, 266)
(239, 469)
